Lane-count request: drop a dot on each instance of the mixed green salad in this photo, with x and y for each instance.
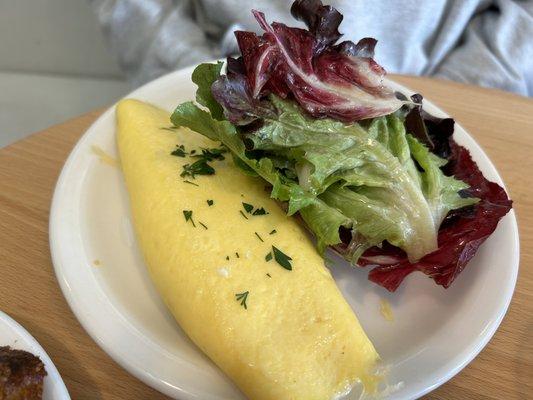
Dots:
(369, 173)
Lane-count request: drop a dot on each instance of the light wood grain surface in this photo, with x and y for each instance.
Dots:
(502, 123)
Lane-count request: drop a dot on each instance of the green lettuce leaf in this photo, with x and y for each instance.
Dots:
(441, 191)
(204, 76)
(324, 221)
(191, 116)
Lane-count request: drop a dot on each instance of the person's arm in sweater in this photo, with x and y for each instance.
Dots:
(496, 49)
(153, 37)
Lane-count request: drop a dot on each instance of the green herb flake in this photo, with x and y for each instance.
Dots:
(272, 232)
(260, 211)
(259, 237)
(237, 255)
(192, 152)
(200, 167)
(210, 202)
(188, 217)
(227, 258)
(243, 214)
(248, 207)
(242, 297)
(205, 226)
(190, 183)
(212, 154)
(282, 259)
(268, 275)
(268, 257)
(179, 151)
(169, 128)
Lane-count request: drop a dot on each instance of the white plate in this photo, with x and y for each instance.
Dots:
(14, 335)
(435, 334)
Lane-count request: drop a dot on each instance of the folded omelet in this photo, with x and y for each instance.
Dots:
(278, 333)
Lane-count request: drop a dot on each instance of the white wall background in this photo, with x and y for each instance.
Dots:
(54, 65)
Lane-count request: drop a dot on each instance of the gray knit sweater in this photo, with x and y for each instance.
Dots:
(483, 42)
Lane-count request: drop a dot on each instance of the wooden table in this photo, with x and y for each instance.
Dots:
(501, 122)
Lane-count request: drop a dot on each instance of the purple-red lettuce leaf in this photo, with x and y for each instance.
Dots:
(328, 83)
(322, 21)
(240, 108)
(434, 132)
(327, 80)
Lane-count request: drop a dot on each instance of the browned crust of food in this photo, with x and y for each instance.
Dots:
(21, 375)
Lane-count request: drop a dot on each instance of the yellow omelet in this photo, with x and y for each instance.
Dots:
(279, 334)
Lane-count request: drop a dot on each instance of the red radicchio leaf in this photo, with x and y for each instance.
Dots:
(460, 235)
(339, 81)
(432, 131)
(240, 108)
(364, 47)
(322, 21)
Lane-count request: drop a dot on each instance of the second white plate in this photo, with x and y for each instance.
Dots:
(12, 334)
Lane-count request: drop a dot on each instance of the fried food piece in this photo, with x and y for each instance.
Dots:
(21, 375)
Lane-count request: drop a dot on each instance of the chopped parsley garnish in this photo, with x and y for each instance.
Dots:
(243, 214)
(281, 258)
(260, 211)
(227, 258)
(237, 255)
(200, 167)
(269, 275)
(268, 257)
(205, 226)
(188, 217)
(242, 297)
(190, 183)
(212, 154)
(169, 128)
(272, 232)
(259, 237)
(248, 207)
(179, 152)
(210, 202)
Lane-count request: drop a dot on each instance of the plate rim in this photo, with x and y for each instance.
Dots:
(458, 362)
